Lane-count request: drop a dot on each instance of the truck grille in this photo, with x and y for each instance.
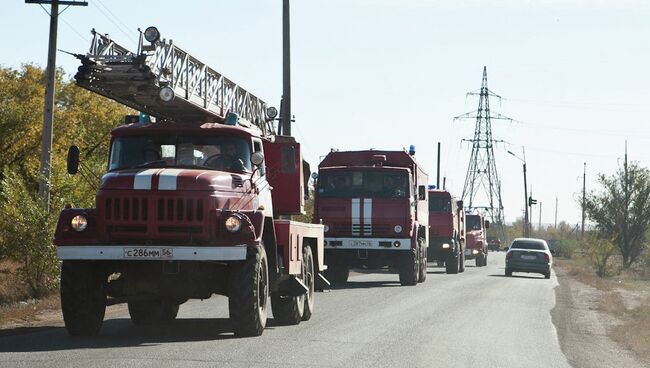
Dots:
(124, 209)
(125, 216)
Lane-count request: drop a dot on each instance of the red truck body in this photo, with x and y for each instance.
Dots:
(476, 242)
(172, 231)
(373, 205)
(446, 231)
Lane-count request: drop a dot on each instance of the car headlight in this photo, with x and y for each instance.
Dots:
(326, 228)
(233, 224)
(398, 228)
(79, 223)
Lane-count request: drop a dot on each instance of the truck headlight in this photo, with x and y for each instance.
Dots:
(398, 228)
(233, 224)
(79, 223)
(445, 246)
(475, 251)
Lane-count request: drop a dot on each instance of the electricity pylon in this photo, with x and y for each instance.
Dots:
(482, 190)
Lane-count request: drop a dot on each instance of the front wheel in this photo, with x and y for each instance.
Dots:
(452, 264)
(508, 272)
(83, 298)
(409, 269)
(337, 274)
(248, 294)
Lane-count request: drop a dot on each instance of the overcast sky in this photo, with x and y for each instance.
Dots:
(387, 74)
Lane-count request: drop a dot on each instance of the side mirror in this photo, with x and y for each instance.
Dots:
(506, 248)
(422, 193)
(459, 204)
(257, 158)
(73, 160)
(487, 224)
(314, 175)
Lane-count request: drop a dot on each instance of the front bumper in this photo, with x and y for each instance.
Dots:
(380, 244)
(150, 252)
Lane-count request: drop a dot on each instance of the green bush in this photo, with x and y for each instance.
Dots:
(600, 251)
(567, 247)
(27, 230)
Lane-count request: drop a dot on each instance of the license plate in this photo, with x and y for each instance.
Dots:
(360, 243)
(528, 258)
(148, 253)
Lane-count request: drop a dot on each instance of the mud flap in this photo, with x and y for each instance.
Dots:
(293, 287)
(321, 283)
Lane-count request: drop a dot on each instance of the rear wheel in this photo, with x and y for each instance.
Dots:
(337, 274)
(310, 280)
(422, 272)
(547, 275)
(409, 269)
(508, 272)
(248, 295)
(83, 298)
(289, 310)
(461, 256)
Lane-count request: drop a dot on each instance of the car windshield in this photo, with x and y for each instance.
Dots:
(191, 151)
(524, 244)
(439, 204)
(363, 183)
(473, 222)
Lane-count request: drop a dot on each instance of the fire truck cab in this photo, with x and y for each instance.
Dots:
(477, 247)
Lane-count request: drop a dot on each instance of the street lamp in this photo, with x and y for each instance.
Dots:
(523, 160)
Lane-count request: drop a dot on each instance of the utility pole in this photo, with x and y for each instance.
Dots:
(48, 111)
(584, 196)
(555, 212)
(539, 223)
(526, 216)
(285, 114)
(627, 200)
(438, 169)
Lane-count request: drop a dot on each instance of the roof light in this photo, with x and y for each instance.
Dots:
(151, 34)
(231, 118)
(271, 112)
(167, 94)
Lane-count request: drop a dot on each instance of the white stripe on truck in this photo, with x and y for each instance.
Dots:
(142, 180)
(356, 216)
(367, 216)
(168, 179)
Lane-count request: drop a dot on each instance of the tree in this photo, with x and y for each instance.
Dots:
(81, 118)
(621, 210)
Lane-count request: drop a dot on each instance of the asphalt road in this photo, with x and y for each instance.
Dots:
(476, 319)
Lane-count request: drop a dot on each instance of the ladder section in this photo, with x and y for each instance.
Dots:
(201, 94)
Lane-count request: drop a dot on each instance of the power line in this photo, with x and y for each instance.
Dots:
(123, 30)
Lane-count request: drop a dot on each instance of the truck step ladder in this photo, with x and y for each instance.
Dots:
(201, 94)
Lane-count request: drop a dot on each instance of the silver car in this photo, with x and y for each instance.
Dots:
(529, 255)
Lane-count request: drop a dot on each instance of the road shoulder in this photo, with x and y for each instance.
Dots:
(585, 328)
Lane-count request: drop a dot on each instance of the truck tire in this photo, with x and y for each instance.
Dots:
(149, 312)
(337, 274)
(249, 294)
(310, 281)
(485, 257)
(83, 298)
(461, 255)
(452, 264)
(479, 260)
(289, 310)
(422, 270)
(409, 269)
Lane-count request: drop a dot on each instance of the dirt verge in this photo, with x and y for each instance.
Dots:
(601, 322)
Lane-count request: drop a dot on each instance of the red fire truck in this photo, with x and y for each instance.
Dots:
(446, 231)
(373, 205)
(477, 247)
(190, 204)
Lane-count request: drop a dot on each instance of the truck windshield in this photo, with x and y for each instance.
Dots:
(439, 204)
(473, 222)
(363, 183)
(191, 151)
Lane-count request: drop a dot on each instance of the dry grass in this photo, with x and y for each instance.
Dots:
(16, 307)
(626, 297)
